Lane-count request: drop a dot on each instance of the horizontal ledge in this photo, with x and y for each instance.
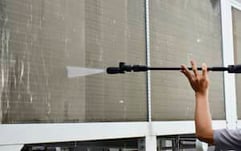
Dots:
(13, 134)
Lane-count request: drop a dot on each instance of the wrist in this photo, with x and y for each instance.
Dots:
(201, 94)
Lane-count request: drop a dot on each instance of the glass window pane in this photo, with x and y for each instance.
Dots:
(130, 144)
(237, 53)
(54, 55)
(180, 31)
(186, 142)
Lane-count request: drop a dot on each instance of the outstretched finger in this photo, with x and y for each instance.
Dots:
(186, 72)
(204, 70)
(194, 68)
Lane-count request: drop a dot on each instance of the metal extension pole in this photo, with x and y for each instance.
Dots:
(142, 68)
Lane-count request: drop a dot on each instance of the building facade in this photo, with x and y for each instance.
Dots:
(54, 87)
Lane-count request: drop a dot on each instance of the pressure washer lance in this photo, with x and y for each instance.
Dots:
(141, 68)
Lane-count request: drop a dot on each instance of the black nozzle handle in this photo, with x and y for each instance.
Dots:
(113, 70)
(234, 68)
(121, 69)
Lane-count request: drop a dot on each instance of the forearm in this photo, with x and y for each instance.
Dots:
(203, 121)
(200, 84)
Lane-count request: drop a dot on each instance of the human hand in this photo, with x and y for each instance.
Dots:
(198, 81)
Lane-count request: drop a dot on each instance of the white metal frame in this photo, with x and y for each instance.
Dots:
(235, 4)
(228, 58)
(16, 135)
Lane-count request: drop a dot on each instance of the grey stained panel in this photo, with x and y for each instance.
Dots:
(48, 48)
(237, 53)
(182, 30)
(115, 31)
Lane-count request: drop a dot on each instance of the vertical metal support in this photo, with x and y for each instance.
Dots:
(228, 58)
(148, 62)
(150, 139)
(151, 143)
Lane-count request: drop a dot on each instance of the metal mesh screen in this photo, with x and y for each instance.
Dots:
(182, 30)
(53, 55)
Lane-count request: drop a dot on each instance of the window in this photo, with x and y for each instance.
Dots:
(131, 144)
(180, 31)
(54, 55)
